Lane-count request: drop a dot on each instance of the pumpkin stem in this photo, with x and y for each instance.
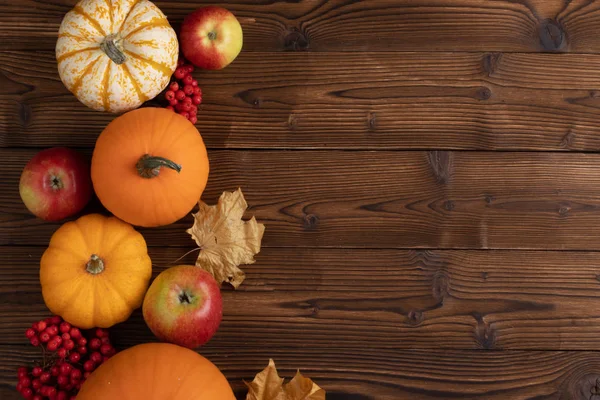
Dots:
(149, 166)
(95, 265)
(111, 45)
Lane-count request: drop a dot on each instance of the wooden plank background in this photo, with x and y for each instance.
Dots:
(427, 170)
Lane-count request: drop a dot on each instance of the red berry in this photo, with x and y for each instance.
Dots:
(56, 320)
(65, 327)
(35, 341)
(22, 371)
(169, 95)
(170, 108)
(179, 72)
(36, 384)
(189, 68)
(75, 333)
(197, 90)
(174, 86)
(193, 119)
(173, 102)
(74, 357)
(105, 358)
(82, 341)
(52, 345)
(197, 99)
(96, 357)
(69, 387)
(29, 333)
(41, 326)
(65, 369)
(186, 107)
(62, 381)
(194, 83)
(180, 62)
(179, 95)
(37, 397)
(54, 370)
(86, 374)
(105, 339)
(44, 337)
(62, 352)
(89, 365)
(76, 375)
(188, 89)
(194, 109)
(45, 377)
(19, 387)
(95, 343)
(187, 100)
(51, 392)
(82, 350)
(185, 114)
(187, 80)
(101, 333)
(52, 330)
(62, 395)
(25, 381)
(68, 344)
(65, 336)
(27, 393)
(37, 371)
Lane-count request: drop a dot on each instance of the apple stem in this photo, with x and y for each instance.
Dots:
(111, 45)
(184, 298)
(212, 35)
(56, 183)
(95, 265)
(149, 166)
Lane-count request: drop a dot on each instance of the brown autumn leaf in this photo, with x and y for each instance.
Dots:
(225, 240)
(267, 385)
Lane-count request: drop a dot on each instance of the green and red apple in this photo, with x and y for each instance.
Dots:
(183, 306)
(56, 183)
(211, 37)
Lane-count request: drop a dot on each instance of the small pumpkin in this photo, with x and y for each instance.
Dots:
(150, 167)
(114, 55)
(156, 371)
(95, 271)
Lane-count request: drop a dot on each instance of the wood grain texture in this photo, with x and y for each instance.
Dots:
(477, 200)
(468, 101)
(346, 25)
(390, 299)
(368, 374)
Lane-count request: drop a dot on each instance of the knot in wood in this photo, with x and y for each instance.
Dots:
(371, 121)
(449, 205)
(441, 165)
(24, 114)
(491, 62)
(439, 286)
(295, 40)
(310, 222)
(552, 36)
(485, 334)
(483, 93)
(415, 317)
(563, 210)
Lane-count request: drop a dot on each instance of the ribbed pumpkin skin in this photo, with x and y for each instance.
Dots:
(91, 300)
(156, 371)
(143, 35)
(156, 201)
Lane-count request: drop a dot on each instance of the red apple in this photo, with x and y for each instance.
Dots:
(211, 37)
(56, 184)
(183, 306)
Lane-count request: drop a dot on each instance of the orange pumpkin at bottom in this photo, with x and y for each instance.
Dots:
(150, 167)
(156, 371)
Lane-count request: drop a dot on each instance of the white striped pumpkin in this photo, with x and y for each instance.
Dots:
(113, 55)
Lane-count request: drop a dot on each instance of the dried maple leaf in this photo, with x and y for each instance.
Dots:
(267, 385)
(225, 240)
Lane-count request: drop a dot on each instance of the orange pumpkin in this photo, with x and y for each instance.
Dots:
(156, 371)
(150, 167)
(95, 271)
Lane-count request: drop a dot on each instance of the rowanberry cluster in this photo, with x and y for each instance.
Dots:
(70, 356)
(184, 95)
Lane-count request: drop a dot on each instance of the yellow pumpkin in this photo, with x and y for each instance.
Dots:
(95, 271)
(113, 55)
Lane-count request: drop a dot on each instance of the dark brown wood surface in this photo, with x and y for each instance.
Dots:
(428, 173)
